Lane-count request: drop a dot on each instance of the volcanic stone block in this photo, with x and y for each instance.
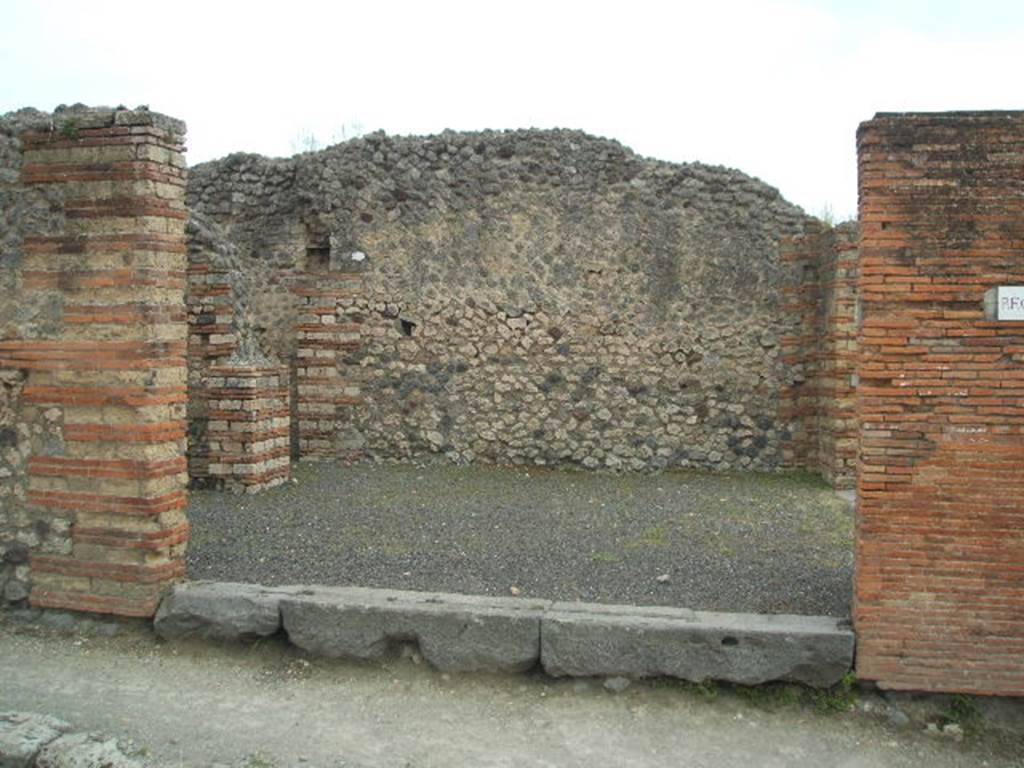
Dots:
(612, 640)
(454, 632)
(84, 750)
(220, 611)
(24, 734)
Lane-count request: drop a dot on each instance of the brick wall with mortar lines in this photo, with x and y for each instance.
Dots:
(211, 299)
(838, 431)
(327, 386)
(248, 425)
(95, 347)
(821, 398)
(939, 601)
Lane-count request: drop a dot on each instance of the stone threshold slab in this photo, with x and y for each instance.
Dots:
(466, 633)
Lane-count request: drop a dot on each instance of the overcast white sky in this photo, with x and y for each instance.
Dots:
(775, 88)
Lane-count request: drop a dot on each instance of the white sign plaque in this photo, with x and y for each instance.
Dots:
(1005, 302)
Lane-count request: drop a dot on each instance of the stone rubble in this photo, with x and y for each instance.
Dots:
(29, 740)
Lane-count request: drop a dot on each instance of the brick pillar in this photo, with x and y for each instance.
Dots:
(940, 551)
(248, 427)
(116, 367)
(818, 401)
(327, 333)
(838, 427)
(212, 338)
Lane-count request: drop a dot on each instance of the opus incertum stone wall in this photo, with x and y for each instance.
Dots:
(527, 297)
(940, 551)
(92, 358)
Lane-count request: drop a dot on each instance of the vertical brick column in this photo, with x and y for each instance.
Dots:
(940, 550)
(327, 333)
(211, 338)
(248, 427)
(820, 353)
(838, 427)
(117, 367)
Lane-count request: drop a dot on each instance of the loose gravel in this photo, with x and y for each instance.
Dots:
(720, 542)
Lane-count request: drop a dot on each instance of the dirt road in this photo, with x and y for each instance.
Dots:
(199, 705)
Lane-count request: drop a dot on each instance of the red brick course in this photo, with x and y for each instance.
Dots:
(247, 447)
(940, 558)
(115, 370)
(324, 394)
(819, 403)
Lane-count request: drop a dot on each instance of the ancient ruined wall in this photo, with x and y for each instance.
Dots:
(92, 358)
(538, 297)
(939, 599)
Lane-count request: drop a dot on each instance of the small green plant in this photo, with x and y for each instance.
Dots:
(605, 557)
(69, 128)
(652, 537)
(838, 698)
(963, 711)
(256, 761)
(770, 695)
(707, 689)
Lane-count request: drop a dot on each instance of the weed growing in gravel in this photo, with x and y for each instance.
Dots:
(962, 711)
(771, 695)
(652, 537)
(707, 689)
(605, 557)
(839, 698)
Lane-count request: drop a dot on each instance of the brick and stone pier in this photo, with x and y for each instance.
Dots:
(248, 427)
(108, 261)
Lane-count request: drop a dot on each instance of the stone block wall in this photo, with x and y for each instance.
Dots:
(529, 297)
(939, 599)
(248, 425)
(92, 358)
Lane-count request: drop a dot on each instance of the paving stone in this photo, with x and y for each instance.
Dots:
(455, 633)
(583, 639)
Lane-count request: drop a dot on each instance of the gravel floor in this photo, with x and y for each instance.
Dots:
(762, 543)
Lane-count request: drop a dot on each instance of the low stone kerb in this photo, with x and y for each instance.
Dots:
(457, 633)
(476, 633)
(746, 648)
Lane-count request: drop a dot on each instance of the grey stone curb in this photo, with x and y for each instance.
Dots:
(468, 633)
(748, 648)
(455, 633)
